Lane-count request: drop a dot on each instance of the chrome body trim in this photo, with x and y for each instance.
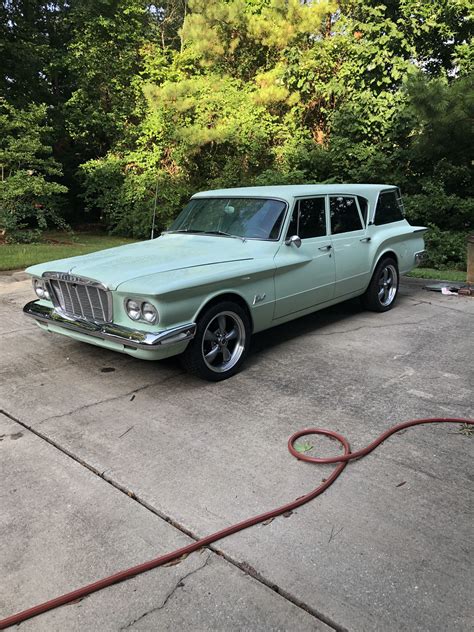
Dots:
(108, 331)
(72, 278)
(56, 291)
(258, 298)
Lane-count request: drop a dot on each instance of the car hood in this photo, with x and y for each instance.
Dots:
(164, 254)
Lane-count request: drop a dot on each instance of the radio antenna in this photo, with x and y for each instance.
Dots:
(154, 211)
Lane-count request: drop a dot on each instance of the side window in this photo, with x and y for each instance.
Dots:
(344, 214)
(309, 218)
(312, 218)
(388, 208)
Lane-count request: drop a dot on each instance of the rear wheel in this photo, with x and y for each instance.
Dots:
(383, 288)
(221, 343)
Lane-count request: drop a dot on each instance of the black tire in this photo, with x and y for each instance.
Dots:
(221, 343)
(382, 292)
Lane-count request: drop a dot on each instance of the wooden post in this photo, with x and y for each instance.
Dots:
(470, 259)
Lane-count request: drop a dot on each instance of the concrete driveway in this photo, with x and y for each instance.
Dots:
(107, 461)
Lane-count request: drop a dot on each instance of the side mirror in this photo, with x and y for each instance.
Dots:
(294, 239)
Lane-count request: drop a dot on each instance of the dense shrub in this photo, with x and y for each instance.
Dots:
(125, 194)
(446, 249)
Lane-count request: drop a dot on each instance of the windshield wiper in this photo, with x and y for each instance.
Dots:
(223, 233)
(203, 232)
(182, 230)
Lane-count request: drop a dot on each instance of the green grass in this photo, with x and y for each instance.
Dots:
(441, 275)
(55, 245)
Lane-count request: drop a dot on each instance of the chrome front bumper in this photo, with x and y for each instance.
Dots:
(108, 331)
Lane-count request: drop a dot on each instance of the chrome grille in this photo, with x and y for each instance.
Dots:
(82, 300)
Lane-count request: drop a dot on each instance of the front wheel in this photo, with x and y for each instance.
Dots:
(221, 343)
(383, 287)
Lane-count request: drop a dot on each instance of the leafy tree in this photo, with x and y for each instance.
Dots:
(104, 58)
(193, 94)
(430, 32)
(29, 192)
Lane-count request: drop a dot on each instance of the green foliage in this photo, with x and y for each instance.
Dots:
(446, 249)
(434, 205)
(243, 38)
(441, 115)
(189, 95)
(125, 192)
(104, 61)
(29, 62)
(29, 194)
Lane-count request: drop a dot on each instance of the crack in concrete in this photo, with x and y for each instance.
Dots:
(369, 326)
(179, 584)
(97, 403)
(111, 399)
(241, 565)
(13, 331)
(453, 309)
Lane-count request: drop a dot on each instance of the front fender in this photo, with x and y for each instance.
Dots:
(181, 295)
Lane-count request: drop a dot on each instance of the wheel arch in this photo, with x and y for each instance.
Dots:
(226, 296)
(385, 255)
(388, 253)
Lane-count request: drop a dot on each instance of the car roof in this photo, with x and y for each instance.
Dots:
(291, 191)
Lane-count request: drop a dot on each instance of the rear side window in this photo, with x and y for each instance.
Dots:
(344, 214)
(389, 208)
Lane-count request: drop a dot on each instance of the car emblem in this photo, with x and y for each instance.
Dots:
(69, 278)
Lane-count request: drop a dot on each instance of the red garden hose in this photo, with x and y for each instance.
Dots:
(342, 461)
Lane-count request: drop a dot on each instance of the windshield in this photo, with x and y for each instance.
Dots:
(247, 218)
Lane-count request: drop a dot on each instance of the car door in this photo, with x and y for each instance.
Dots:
(351, 246)
(305, 275)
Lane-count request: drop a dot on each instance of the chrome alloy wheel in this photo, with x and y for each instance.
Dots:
(223, 342)
(387, 285)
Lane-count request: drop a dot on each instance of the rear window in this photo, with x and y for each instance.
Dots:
(389, 208)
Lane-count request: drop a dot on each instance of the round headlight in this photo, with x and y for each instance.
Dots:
(149, 312)
(39, 288)
(133, 309)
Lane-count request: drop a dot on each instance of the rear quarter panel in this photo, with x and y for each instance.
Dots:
(400, 238)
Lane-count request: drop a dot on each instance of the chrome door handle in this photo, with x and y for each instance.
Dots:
(325, 248)
(366, 239)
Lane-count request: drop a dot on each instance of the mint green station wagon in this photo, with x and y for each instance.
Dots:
(233, 263)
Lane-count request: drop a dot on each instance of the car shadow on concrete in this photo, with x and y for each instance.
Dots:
(312, 323)
(309, 324)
